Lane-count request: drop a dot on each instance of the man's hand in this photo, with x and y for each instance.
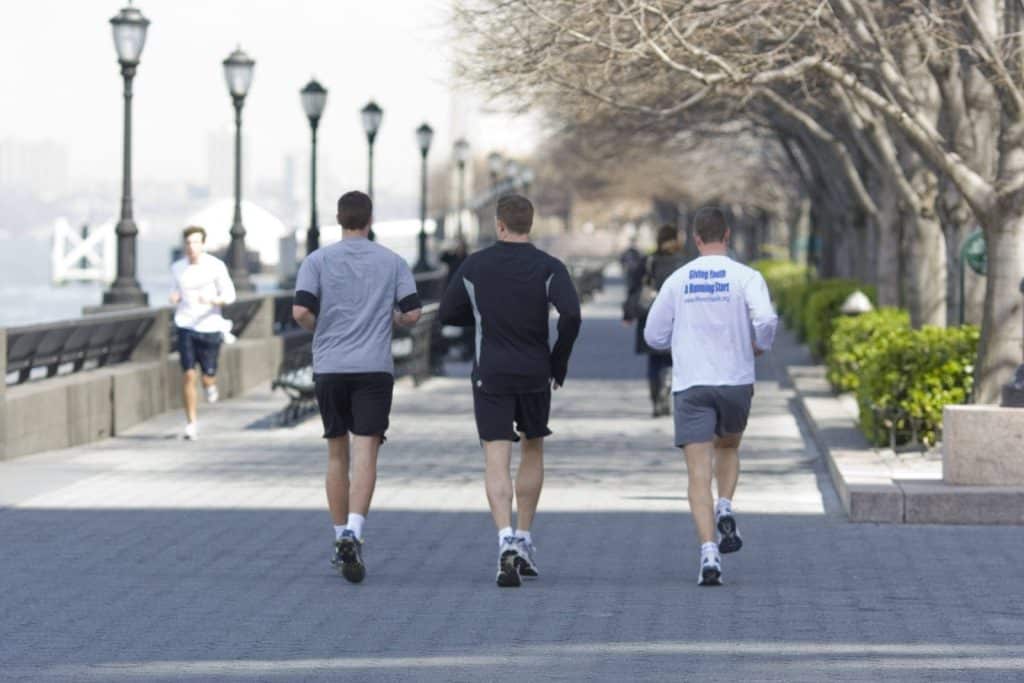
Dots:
(175, 298)
(407, 319)
(757, 351)
(627, 323)
(555, 386)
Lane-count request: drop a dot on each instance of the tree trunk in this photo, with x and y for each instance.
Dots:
(888, 250)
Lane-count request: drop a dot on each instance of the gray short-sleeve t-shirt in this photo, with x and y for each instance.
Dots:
(357, 284)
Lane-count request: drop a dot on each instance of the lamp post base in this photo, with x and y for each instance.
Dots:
(122, 296)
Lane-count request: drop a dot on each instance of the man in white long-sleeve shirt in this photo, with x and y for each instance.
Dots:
(202, 286)
(716, 316)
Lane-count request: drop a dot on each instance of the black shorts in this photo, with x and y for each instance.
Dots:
(501, 417)
(354, 402)
(199, 347)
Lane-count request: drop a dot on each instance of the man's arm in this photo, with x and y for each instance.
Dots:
(306, 306)
(456, 309)
(762, 316)
(562, 294)
(407, 298)
(661, 319)
(304, 317)
(225, 288)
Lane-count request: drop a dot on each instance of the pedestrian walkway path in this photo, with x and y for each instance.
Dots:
(148, 558)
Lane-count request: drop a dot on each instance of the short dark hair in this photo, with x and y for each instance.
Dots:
(193, 230)
(354, 210)
(710, 224)
(667, 233)
(516, 212)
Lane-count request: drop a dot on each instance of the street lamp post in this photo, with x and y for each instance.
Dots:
(129, 28)
(424, 136)
(461, 155)
(314, 99)
(495, 162)
(238, 69)
(371, 115)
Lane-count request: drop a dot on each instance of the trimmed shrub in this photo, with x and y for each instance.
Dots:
(854, 338)
(911, 376)
(786, 282)
(822, 309)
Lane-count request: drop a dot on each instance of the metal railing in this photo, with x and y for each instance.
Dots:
(67, 346)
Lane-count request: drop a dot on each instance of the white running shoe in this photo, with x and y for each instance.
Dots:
(710, 567)
(212, 395)
(508, 564)
(191, 431)
(527, 562)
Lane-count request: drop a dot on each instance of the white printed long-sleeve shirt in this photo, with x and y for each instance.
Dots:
(712, 312)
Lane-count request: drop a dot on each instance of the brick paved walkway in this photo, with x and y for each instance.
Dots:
(148, 558)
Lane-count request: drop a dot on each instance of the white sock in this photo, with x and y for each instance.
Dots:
(355, 524)
(723, 504)
(503, 533)
(524, 534)
(338, 530)
(709, 548)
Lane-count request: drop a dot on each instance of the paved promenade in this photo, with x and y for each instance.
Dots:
(146, 558)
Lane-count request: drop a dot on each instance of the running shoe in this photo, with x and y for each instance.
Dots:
(710, 568)
(212, 395)
(729, 540)
(191, 431)
(526, 562)
(508, 563)
(348, 557)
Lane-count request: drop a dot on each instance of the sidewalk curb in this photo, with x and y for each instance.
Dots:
(871, 489)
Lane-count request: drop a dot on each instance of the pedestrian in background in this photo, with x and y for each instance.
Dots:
(643, 282)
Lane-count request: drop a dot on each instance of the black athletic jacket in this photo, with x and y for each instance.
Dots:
(506, 290)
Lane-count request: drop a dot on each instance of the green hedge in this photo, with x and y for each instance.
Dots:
(821, 311)
(787, 282)
(856, 337)
(913, 375)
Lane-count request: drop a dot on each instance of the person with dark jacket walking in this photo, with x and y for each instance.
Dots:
(507, 291)
(643, 283)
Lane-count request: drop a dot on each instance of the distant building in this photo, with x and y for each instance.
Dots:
(40, 168)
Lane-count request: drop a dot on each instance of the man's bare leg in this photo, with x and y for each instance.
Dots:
(727, 472)
(727, 464)
(364, 472)
(529, 481)
(698, 470)
(188, 392)
(337, 481)
(498, 481)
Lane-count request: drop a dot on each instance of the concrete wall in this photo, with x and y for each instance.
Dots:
(88, 406)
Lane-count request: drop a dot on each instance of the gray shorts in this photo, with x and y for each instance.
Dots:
(701, 413)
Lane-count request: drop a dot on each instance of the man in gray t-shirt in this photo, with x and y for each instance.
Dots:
(349, 295)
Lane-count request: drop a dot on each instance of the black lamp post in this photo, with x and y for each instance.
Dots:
(424, 136)
(372, 115)
(461, 153)
(129, 38)
(495, 162)
(314, 99)
(238, 68)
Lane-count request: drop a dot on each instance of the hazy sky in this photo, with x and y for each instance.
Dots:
(60, 80)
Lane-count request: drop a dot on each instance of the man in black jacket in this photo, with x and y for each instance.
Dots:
(506, 290)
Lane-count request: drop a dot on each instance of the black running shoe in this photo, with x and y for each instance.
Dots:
(729, 541)
(508, 564)
(348, 557)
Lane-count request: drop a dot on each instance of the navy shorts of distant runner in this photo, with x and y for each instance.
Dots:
(507, 291)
